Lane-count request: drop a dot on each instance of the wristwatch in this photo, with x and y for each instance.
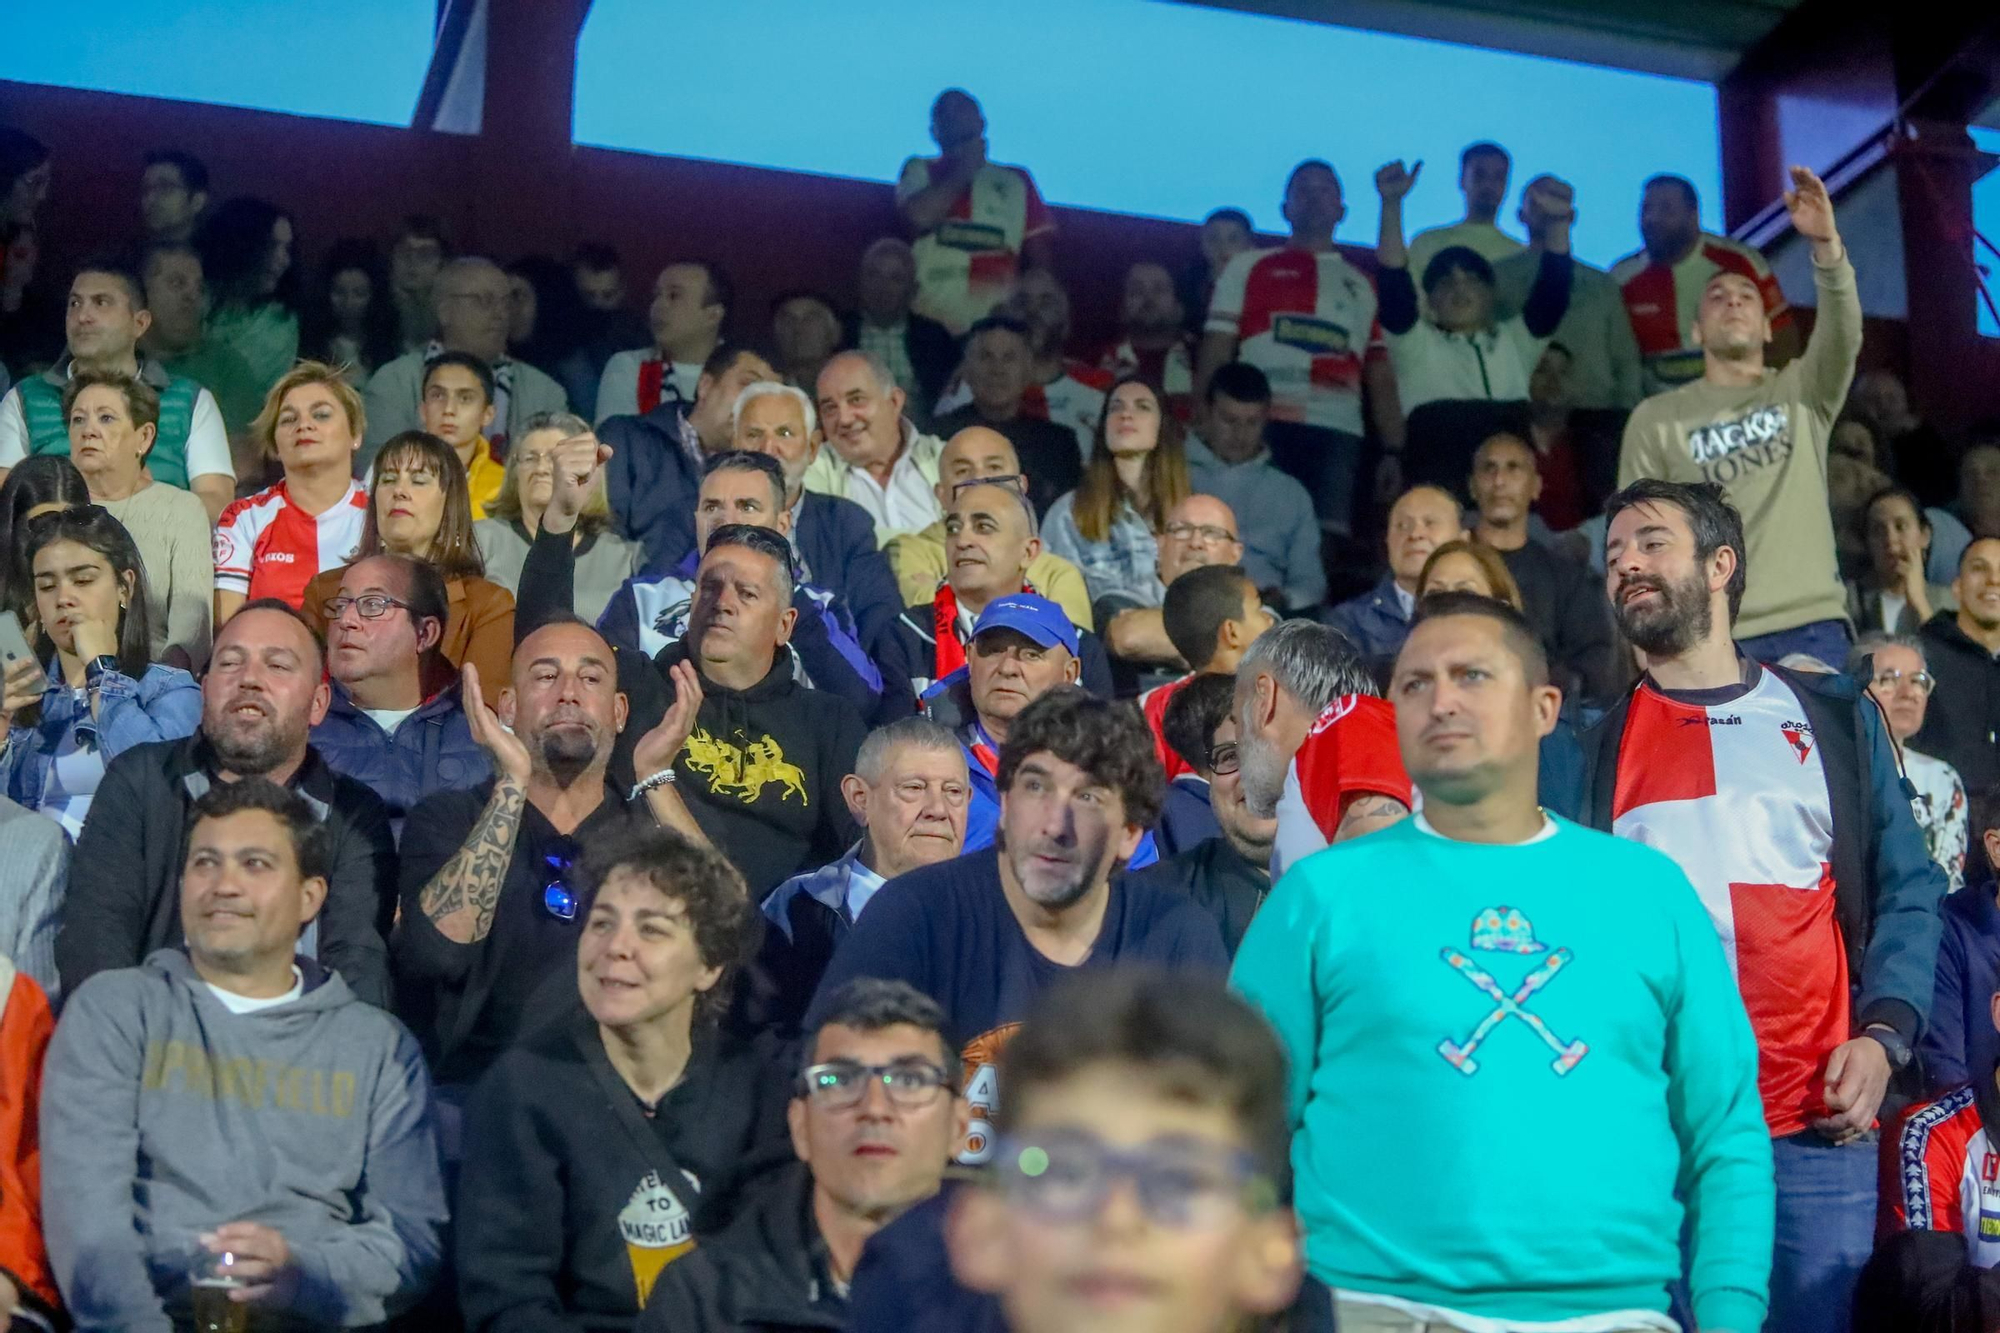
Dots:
(1891, 1041)
(97, 666)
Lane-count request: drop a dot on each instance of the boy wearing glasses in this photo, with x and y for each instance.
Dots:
(875, 1117)
(1141, 1168)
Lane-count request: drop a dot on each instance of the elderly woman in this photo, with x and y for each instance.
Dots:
(1108, 526)
(1897, 677)
(99, 693)
(604, 560)
(421, 506)
(112, 423)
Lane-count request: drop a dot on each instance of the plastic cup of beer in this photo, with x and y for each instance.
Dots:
(213, 1278)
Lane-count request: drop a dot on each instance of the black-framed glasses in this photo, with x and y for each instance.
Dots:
(1181, 1183)
(372, 606)
(1206, 532)
(839, 1085)
(1224, 759)
(1013, 481)
(559, 899)
(1891, 680)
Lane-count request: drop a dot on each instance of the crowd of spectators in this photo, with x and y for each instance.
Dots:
(1451, 792)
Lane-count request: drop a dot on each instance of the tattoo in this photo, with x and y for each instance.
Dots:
(462, 897)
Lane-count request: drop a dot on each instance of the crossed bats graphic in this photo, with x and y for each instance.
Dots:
(1460, 1054)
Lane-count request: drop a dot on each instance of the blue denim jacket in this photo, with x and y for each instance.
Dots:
(162, 705)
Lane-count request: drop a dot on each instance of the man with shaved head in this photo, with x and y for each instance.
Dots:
(471, 301)
(1762, 436)
(489, 907)
(920, 558)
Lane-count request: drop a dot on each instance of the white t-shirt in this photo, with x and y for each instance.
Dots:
(389, 718)
(207, 442)
(244, 1004)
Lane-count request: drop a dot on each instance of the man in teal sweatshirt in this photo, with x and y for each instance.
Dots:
(1513, 1080)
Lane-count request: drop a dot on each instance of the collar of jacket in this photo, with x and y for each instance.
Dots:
(773, 1266)
(195, 758)
(441, 700)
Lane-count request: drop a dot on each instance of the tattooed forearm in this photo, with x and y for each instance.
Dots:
(461, 897)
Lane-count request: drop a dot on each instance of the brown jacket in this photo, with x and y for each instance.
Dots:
(479, 628)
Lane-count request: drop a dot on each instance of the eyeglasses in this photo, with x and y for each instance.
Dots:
(559, 900)
(1888, 681)
(1013, 481)
(1224, 759)
(840, 1085)
(1179, 1183)
(1204, 532)
(372, 606)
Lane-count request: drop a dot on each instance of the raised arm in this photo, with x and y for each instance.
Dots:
(1548, 299)
(1827, 367)
(1396, 289)
(461, 897)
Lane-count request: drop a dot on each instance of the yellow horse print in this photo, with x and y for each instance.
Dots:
(744, 771)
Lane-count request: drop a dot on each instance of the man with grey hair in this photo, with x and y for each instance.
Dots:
(919, 352)
(1316, 743)
(909, 791)
(833, 537)
(471, 301)
(878, 459)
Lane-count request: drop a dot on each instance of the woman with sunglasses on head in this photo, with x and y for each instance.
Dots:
(601, 1147)
(95, 692)
(1894, 671)
(604, 560)
(112, 423)
(420, 505)
(1108, 526)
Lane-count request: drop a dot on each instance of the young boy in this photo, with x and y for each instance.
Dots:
(457, 407)
(1142, 1164)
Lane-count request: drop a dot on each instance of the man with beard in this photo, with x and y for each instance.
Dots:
(1315, 743)
(1779, 794)
(1153, 342)
(1762, 436)
(265, 690)
(983, 935)
(489, 907)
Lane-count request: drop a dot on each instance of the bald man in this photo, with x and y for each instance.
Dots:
(471, 300)
(1422, 519)
(919, 557)
(1200, 530)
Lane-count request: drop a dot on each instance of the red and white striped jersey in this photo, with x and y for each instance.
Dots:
(1171, 369)
(1662, 301)
(1307, 320)
(1736, 794)
(266, 546)
(1940, 1172)
(1074, 399)
(1153, 703)
(1350, 749)
(967, 264)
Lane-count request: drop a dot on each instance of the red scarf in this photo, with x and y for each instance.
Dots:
(652, 377)
(950, 651)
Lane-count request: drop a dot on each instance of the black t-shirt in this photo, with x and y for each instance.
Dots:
(485, 993)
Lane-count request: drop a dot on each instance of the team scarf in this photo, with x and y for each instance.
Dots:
(654, 386)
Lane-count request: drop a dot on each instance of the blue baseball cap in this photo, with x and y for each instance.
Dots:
(1037, 617)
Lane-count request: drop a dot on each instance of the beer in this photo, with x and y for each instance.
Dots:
(214, 1311)
(657, 1231)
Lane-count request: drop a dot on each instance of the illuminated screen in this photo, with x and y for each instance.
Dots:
(1986, 235)
(348, 59)
(1134, 106)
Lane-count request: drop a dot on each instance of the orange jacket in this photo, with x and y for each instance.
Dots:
(26, 1024)
(479, 627)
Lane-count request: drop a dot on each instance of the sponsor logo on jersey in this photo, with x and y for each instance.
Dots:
(1727, 720)
(1322, 337)
(276, 558)
(973, 237)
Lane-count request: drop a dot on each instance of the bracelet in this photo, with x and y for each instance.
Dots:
(663, 778)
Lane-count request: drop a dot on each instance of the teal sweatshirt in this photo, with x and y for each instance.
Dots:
(1515, 1071)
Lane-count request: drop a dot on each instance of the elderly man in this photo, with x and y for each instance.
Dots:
(264, 691)
(764, 755)
(690, 307)
(1200, 530)
(105, 319)
(487, 907)
(834, 537)
(1422, 519)
(470, 297)
(1762, 435)
(977, 224)
(999, 376)
(1230, 461)
(393, 720)
(908, 792)
(650, 612)
(234, 1107)
(921, 560)
(992, 549)
(878, 459)
(920, 352)
(875, 1119)
(656, 459)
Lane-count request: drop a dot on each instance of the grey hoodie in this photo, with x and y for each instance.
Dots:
(165, 1115)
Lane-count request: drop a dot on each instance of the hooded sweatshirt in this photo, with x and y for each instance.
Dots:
(761, 771)
(574, 1200)
(164, 1115)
